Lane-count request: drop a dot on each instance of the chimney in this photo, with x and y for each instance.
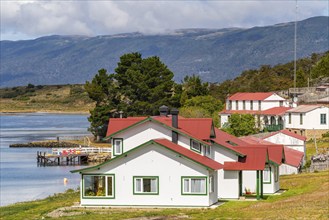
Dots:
(163, 111)
(174, 117)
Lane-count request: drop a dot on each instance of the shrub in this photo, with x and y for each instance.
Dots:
(325, 135)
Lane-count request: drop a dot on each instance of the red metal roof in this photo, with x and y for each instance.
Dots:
(293, 157)
(286, 132)
(190, 154)
(250, 96)
(226, 139)
(275, 111)
(275, 151)
(255, 140)
(117, 124)
(199, 128)
(255, 159)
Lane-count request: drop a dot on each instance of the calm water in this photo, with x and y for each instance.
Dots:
(20, 177)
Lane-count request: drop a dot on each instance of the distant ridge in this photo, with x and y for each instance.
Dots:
(214, 54)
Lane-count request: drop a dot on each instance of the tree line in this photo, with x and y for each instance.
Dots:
(139, 86)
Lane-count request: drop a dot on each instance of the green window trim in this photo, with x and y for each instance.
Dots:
(113, 146)
(270, 175)
(145, 177)
(193, 149)
(106, 186)
(205, 178)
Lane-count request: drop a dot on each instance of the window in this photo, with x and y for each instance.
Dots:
(259, 105)
(195, 146)
(244, 105)
(289, 118)
(236, 105)
(117, 146)
(323, 119)
(230, 105)
(211, 184)
(206, 150)
(98, 186)
(301, 119)
(267, 174)
(146, 185)
(251, 105)
(281, 103)
(276, 173)
(194, 185)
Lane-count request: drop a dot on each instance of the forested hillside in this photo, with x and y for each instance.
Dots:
(275, 78)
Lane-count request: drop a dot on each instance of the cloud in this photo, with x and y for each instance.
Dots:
(30, 19)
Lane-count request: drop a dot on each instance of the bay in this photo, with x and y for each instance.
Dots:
(21, 179)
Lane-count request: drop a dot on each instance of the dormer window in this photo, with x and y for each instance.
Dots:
(195, 146)
(117, 146)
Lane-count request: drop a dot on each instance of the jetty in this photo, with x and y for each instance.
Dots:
(73, 156)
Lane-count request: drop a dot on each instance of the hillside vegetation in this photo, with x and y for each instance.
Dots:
(275, 78)
(213, 54)
(56, 98)
(306, 197)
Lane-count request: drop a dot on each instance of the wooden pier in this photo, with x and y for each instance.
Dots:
(73, 156)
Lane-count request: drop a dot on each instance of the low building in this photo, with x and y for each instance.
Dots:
(168, 160)
(308, 120)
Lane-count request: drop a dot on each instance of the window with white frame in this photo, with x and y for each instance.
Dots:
(195, 146)
(289, 115)
(301, 119)
(236, 105)
(244, 105)
(98, 185)
(206, 150)
(251, 105)
(267, 174)
(194, 185)
(259, 105)
(146, 185)
(117, 146)
(323, 119)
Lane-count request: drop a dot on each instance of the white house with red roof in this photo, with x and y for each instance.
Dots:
(308, 120)
(169, 160)
(267, 107)
(294, 148)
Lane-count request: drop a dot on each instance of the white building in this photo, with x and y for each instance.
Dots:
(294, 148)
(308, 120)
(267, 107)
(173, 161)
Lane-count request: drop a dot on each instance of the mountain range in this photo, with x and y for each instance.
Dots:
(213, 54)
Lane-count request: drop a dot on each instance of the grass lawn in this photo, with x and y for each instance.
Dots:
(307, 197)
(322, 144)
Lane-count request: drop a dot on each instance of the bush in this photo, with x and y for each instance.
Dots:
(30, 86)
(325, 135)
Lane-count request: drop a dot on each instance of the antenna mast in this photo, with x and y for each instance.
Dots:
(295, 51)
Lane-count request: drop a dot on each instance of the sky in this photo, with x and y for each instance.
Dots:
(29, 19)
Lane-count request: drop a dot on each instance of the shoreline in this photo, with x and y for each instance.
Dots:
(44, 112)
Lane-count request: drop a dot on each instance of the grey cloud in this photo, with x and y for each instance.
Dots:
(38, 18)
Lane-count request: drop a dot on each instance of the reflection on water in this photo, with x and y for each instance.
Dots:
(20, 177)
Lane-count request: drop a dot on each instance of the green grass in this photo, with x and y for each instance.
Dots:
(307, 197)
